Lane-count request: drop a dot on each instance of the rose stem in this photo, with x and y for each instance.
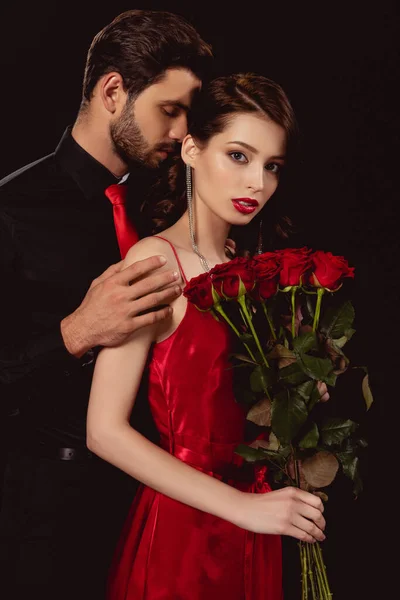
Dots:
(218, 308)
(320, 560)
(294, 289)
(304, 583)
(242, 303)
(320, 293)
(269, 320)
(310, 572)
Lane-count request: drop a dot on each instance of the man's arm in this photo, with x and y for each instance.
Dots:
(119, 302)
(21, 351)
(111, 310)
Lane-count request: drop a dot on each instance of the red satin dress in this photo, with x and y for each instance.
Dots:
(171, 551)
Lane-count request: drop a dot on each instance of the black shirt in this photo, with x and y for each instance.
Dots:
(56, 235)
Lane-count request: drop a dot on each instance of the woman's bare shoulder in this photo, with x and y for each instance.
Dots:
(150, 246)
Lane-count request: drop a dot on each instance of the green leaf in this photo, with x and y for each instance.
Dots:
(261, 378)
(288, 415)
(273, 442)
(319, 369)
(335, 349)
(335, 430)
(310, 302)
(260, 413)
(250, 454)
(315, 397)
(366, 390)
(292, 374)
(246, 338)
(349, 463)
(351, 468)
(337, 321)
(305, 342)
(320, 469)
(244, 358)
(340, 342)
(304, 390)
(349, 333)
(310, 439)
(279, 351)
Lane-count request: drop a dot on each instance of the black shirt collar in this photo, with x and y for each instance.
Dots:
(90, 175)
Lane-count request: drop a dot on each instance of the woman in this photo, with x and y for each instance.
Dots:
(198, 528)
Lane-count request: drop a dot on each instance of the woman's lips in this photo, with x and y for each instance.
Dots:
(245, 206)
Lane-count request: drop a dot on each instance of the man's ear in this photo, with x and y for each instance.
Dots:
(112, 92)
(189, 151)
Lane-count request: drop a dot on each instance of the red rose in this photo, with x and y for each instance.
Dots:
(266, 269)
(199, 292)
(294, 263)
(226, 277)
(328, 270)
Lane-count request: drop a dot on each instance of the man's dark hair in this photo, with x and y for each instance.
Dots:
(141, 45)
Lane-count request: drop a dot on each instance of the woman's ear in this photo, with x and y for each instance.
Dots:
(189, 150)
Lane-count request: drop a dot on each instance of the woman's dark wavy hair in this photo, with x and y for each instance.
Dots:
(212, 110)
(141, 45)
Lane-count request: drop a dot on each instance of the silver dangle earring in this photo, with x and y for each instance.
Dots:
(203, 260)
(259, 249)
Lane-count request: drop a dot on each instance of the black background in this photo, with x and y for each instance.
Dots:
(338, 62)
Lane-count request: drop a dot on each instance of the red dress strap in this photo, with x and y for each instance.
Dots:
(176, 256)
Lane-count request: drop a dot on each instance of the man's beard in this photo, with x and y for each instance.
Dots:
(130, 144)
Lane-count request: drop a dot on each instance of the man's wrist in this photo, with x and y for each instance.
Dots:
(72, 336)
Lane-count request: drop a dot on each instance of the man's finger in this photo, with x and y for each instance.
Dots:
(112, 270)
(152, 317)
(157, 299)
(140, 268)
(153, 283)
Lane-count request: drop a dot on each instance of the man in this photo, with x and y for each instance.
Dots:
(62, 508)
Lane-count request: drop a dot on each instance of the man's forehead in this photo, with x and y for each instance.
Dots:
(177, 82)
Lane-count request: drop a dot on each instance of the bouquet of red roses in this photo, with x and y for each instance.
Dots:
(292, 324)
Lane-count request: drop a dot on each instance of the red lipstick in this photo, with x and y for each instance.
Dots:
(245, 205)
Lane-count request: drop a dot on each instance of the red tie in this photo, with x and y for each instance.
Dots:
(126, 233)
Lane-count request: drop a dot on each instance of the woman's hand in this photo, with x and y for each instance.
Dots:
(323, 391)
(289, 511)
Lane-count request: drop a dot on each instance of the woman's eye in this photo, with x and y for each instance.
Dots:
(238, 156)
(274, 167)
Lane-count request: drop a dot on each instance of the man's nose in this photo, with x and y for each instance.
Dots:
(179, 128)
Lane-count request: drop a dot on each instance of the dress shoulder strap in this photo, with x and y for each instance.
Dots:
(176, 256)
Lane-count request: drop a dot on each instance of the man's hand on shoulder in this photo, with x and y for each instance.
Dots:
(120, 301)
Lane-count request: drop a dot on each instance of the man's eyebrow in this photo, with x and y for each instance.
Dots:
(176, 103)
(252, 149)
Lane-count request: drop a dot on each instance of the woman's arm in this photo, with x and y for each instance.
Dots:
(116, 381)
(115, 384)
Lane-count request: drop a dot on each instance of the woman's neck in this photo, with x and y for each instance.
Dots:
(210, 234)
